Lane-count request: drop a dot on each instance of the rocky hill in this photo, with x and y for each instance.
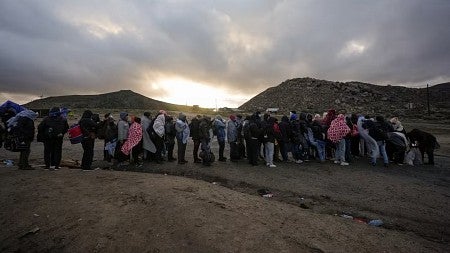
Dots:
(123, 99)
(317, 96)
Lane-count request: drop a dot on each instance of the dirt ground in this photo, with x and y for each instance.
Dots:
(191, 208)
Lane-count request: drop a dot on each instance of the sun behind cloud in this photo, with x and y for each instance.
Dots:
(187, 92)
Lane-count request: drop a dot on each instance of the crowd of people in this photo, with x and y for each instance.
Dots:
(296, 138)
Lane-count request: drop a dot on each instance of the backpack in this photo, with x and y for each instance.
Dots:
(101, 130)
(75, 134)
(207, 157)
(14, 142)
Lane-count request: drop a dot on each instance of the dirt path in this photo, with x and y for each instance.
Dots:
(217, 209)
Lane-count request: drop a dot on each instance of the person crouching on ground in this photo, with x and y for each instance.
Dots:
(51, 131)
(88, 128)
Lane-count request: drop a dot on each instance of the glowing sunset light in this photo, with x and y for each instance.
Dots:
(188, 92)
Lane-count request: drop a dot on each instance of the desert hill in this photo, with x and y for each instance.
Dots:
(123, 99)
(313, 95)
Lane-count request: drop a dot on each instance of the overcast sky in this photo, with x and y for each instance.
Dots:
(231, 49)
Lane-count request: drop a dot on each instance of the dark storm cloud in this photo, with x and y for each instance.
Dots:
(67, 47)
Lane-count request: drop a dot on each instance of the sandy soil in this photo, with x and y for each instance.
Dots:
(191, 208)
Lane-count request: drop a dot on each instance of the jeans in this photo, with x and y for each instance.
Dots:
(320, 146)
(382, 149)
(284, 149)
(340, 151)
(269, 148)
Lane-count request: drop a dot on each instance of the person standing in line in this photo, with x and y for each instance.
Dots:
(88, 128)
(232, 136)
(336, 134)
(122, 135)
(159, 130)
(182, 136)
(219, 125)
(147, 143)
(269, 136)
(51, 131)
(169, 138)
(133, 142)
(205, 138)
(194, 127)
(107, 130)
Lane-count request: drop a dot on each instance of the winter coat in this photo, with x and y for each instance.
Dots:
(268, 131)
(318, 131)
(52, 128)
(379, 129)
(232, 131)
(220, 127)
(205, 126)
(87, 125)
(194, 127)
(183, 131)
(285, 129)
(122, 130)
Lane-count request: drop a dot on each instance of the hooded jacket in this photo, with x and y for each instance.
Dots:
(87, 125)
(182, 128)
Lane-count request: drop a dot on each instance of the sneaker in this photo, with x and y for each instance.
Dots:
(337, 161)
(298, 161)
(344, 163)
(386, 165)
(272, 166)
(267, 164)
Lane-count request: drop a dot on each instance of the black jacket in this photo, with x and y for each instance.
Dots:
(87, 125)
(52, 128)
